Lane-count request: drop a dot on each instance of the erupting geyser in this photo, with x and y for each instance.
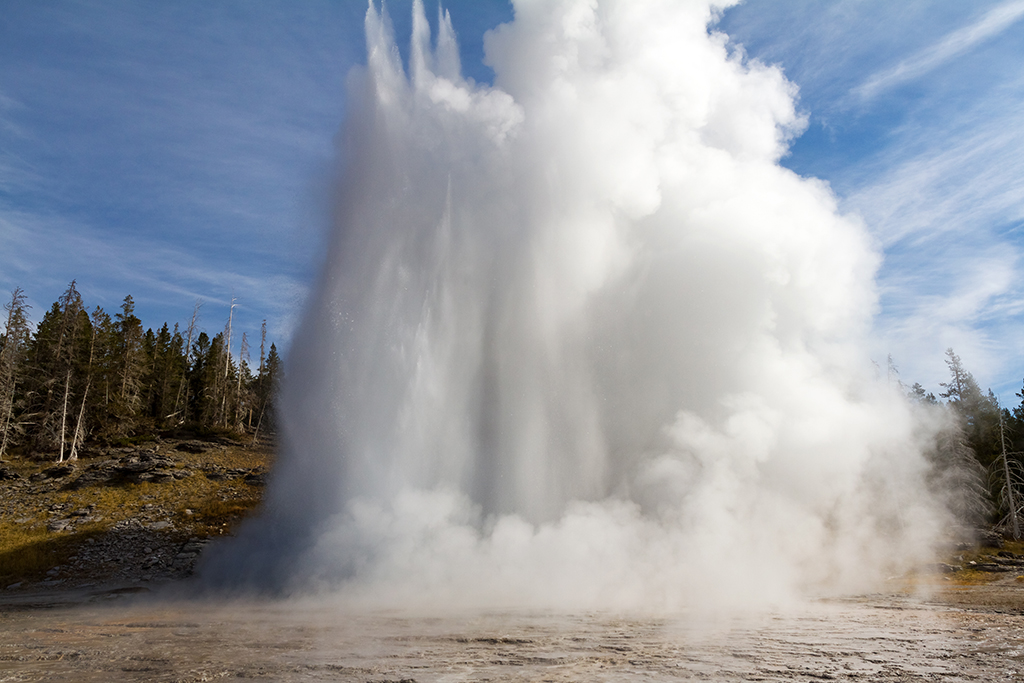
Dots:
(581, 340)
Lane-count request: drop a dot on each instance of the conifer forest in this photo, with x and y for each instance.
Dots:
(82, 377)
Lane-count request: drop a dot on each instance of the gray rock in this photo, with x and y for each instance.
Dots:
(8, 475)
(990, 539)
(55, 472)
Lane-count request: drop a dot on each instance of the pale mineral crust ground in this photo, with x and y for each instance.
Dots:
(970, 633)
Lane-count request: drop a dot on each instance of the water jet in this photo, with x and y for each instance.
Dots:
(581, 340)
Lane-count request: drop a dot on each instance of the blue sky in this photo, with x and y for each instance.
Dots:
(178, 151)
(181, 151)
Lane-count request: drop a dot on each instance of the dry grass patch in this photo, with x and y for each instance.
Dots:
(970, 576)
(973, 577)
(27, 552)
(237, 457)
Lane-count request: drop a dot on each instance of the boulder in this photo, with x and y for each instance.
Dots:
(56, 472)
(990, 539)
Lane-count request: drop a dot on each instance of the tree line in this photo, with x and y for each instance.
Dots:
(978, 456)
(87, 377)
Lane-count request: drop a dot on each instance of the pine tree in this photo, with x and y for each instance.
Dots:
(242, 383)
(978, 412)
(918, 394)
(166, 371)
(214, 381)
(129, 358)
(104, 370)
(226, 381)
(177, 366)
(12, 351)
(956, 476)
(183, 397)
(162, 352)
(268, 383)
(52, 384)
(198, 378)
(83, 377)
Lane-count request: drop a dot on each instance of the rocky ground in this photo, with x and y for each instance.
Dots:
(123, 515)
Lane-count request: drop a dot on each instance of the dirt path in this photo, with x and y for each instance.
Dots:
(970, 634)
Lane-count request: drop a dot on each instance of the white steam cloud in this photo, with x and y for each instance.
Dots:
(581, 341)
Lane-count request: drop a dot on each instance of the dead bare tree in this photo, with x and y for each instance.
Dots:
(243, 358)
(79, 434)
(223, 389)
(259, 381)
(1008, 476)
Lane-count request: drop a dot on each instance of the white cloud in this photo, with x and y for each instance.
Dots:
(967, 299)
(945, 201)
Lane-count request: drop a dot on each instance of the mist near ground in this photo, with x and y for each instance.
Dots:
(582, 342)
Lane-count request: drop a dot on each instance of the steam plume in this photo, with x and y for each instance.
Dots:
(581, 340)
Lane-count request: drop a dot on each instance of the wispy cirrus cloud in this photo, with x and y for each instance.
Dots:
(953, 294)
(14, 173)
(992, 23)
(167, 153)
(971, 182)
(164, 279)
(947, 207)
(177, 151)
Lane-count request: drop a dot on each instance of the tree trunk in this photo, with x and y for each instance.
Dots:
(76, 439)
(1011, 500)
(64, 415)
